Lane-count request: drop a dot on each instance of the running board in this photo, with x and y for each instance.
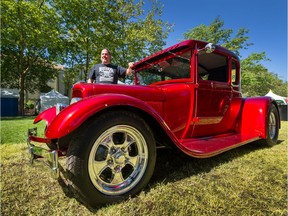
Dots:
(210, 146)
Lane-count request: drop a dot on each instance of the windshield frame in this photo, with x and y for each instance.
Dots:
(175, 67)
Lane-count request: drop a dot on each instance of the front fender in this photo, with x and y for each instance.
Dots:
(74, 115)
(48, 115)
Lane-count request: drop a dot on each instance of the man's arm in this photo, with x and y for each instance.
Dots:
(92, 74)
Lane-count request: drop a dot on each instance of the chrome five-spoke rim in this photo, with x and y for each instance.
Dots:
(118, 160)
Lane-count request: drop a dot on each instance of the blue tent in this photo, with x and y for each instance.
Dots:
(9, 102)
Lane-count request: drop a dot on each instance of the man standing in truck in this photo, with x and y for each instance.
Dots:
(107, 72)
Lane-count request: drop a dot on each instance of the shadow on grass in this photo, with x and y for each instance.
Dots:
(70, 192)
(173, 165)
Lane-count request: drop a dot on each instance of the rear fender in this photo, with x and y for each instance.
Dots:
(74, 115)
(254, 116)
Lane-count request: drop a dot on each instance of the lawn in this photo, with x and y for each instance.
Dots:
(250, 180)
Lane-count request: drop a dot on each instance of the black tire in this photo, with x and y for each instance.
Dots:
(111, 158)
(272, 127)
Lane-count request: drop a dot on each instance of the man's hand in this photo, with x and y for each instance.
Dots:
(129, 69)
(130, 65)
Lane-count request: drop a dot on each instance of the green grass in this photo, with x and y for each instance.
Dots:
(14, 130)
(250, 180)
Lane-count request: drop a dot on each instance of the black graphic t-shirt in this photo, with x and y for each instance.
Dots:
(102, 73)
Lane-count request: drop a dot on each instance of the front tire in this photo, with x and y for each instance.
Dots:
(112, 158)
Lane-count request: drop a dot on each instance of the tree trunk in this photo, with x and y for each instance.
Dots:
(21, 96)
(86, 69)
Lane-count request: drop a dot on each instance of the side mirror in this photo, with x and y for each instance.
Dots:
(209, 48)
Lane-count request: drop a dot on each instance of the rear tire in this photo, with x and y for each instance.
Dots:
(112, 157)
(272, 127)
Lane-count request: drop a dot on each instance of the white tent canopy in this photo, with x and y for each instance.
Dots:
(276, 97)
(51, 98)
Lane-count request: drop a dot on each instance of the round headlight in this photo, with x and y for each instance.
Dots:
(74, 100)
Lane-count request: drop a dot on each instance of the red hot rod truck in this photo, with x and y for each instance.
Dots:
(187, 96)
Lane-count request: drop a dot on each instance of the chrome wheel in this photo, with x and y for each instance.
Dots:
(272, 125)
(118, 160)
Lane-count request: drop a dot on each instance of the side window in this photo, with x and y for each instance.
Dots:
(234, 73)
(213, 67)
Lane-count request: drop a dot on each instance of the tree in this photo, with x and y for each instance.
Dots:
(256, 79)
(121, 26)
(215, 33)
(28, 47)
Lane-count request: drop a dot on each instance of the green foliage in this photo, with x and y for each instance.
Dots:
(217, 34)
(249, 180)
(29, 105)
(257, 80)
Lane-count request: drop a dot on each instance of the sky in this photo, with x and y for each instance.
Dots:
(266, 21)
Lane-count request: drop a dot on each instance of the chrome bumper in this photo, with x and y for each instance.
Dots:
(48, 156)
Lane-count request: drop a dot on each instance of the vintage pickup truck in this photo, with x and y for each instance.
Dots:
(187, 96)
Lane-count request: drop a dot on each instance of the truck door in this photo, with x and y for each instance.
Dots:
(212, 96)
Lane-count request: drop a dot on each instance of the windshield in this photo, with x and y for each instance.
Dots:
(177, 67)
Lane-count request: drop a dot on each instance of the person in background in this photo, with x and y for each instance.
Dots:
(107, 72)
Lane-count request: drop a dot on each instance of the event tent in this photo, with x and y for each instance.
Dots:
(51, 98)
(279, 99)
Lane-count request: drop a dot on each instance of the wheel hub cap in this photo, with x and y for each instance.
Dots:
(119, 157)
